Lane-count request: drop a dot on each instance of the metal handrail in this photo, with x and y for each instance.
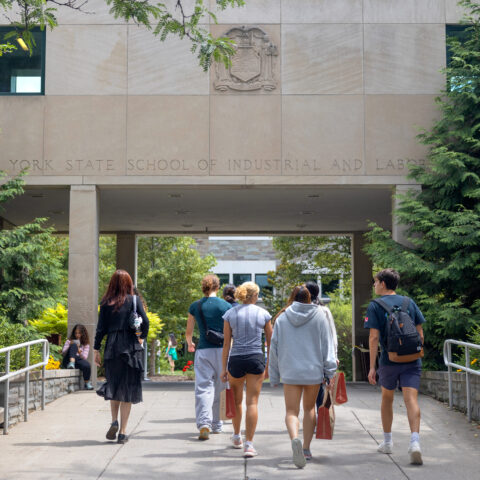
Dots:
(26, 370)
(447, 359)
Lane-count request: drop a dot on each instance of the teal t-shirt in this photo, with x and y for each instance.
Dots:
(213, 309)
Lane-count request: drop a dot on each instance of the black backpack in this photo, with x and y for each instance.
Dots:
(403, 341)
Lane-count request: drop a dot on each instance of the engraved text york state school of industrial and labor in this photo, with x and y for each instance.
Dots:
(253, 65)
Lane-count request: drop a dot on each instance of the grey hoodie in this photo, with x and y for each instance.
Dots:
(302, 350)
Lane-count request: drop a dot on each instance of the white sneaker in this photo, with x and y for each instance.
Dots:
(237, 441)
(298, 456)
(385, 447)
(415, 454)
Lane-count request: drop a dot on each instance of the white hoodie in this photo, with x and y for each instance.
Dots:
(302, 351)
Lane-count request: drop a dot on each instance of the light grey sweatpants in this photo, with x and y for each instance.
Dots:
(208, 386)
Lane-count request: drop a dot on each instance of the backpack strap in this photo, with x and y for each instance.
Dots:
(384, 305)
(200, 313)
(405, 304)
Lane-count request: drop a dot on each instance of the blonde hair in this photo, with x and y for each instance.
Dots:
(246, 291)
(210, 283)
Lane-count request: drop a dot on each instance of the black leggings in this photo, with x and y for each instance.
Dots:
(80, 363)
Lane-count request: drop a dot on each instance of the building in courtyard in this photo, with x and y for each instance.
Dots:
(310, 131)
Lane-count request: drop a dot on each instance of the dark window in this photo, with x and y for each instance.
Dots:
(456, 31)
(239, 278)
(261, 279)
(224, 278)
(329, 287)
(22, 73)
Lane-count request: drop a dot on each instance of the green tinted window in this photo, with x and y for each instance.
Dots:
(22, 73)
(239, 278)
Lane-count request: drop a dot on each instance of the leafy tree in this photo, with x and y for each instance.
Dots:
(30, 275)
(106, 262)
(328, 257)
(442, 270)
(157, 17)
(170, 271)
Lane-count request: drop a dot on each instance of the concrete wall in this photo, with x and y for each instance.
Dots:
(435, 384)
(57, 384)
(351, 80)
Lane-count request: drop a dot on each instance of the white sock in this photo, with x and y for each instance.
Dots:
(415, 437)
(248, 444)
(236, 436)
(387, 437)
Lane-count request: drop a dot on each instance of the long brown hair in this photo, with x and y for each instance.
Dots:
(84, 339)
(300, 294)
(119, 287)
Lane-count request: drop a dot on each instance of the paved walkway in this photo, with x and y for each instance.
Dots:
(67, 441)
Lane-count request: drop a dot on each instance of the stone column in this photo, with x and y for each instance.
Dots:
(127, 253)
(361, 295)
(83, 261)
(399, 231)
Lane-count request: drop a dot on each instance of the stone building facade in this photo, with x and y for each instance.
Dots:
(310, 131)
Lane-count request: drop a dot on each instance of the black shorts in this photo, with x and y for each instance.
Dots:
(240, 365)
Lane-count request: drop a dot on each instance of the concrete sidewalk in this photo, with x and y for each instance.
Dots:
(67, 441)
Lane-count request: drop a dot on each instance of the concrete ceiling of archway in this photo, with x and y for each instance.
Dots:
(182, 210)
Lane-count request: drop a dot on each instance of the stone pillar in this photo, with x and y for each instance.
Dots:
(399, 231)
(361, 295)
(83, 262)
(127, 253)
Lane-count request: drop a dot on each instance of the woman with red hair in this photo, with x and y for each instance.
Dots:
(123, 356)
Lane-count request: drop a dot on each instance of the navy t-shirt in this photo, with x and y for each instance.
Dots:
(213, 309)
(377, 318)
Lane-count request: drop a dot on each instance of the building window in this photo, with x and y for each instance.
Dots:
(23, 72)
(239, 278)
(456, 31)
(261, 279)
(224, 278)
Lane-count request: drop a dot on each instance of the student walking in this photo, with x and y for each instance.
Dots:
(123, 356)
(228, 294)
(392, 374)
(246, 361)
(171, 351)
(207, 313)
(302, 356)
(75, 353)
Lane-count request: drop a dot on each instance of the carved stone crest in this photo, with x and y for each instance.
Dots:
(252, 66)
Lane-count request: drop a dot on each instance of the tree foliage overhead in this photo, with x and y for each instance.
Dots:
(161, 19)
(442, 270)
(30, 263)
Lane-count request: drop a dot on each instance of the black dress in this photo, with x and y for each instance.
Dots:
(123, 356)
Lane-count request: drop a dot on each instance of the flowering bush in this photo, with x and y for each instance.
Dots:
(187, 366)
(52, 364)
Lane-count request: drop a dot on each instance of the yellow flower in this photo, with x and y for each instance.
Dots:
(474, 361)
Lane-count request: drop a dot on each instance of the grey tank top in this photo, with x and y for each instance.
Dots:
(247, 323)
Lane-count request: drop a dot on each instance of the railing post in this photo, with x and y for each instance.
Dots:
(44, 359)
(6, 393)
(145, 361)
(450, 389)
(27, 382)
(467, 379)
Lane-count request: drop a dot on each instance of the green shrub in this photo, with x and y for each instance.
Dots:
(342, 314)
(13, 334)
(52, 320)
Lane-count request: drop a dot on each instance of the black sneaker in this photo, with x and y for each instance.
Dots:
(112, 431)
(122, 438)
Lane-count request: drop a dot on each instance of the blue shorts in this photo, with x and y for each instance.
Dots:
(402, 375)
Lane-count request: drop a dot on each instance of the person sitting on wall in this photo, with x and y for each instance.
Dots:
(75, 353)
